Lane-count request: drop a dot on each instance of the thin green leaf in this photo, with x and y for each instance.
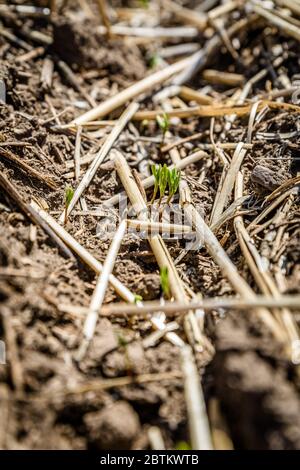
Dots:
(69, 193)
(164, 281)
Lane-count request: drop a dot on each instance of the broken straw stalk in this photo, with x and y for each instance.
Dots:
(292, 5)
(215, 110)
(228, 183)
(151, 32)
(132, 92)
(99, 291)
(213, 303)
(196, 408)
(90, 173)
(104, 384)
(160, 227)
(271, 17)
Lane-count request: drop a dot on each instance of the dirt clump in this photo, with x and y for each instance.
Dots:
(114, 427)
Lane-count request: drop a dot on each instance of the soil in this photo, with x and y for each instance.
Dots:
(247, 370)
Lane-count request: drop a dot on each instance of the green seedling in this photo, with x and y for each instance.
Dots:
(163, 182)
(173, 182)
(165, 178)
(164, 124)
(138, 298)
(154, 61)
(145, 123)
(155, 172)
(69, 193)
(122, 341)
(182, 445)
(144, 3)
(164, 281)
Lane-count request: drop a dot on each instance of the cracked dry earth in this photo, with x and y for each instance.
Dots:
(251, 387)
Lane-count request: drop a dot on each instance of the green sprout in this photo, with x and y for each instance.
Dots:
(164, 178)
(173, 182)
(144, 3)
(164, 281)
(138, 298)
(164, 124)
(163, 181)
(154, 61)
(122, 341)
(145, 123)
(155, 172)
(69, 193)
(182, 445)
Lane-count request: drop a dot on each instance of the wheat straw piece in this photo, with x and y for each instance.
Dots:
(105, 149)
(158, 227)
(214, 303)
(148, 32)
(187, 15)
(228, 183)
(292, 5)
(99, 291)
(132, 92)
(223, 9)
(155, 438)
(284, 25)
(196, 409)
